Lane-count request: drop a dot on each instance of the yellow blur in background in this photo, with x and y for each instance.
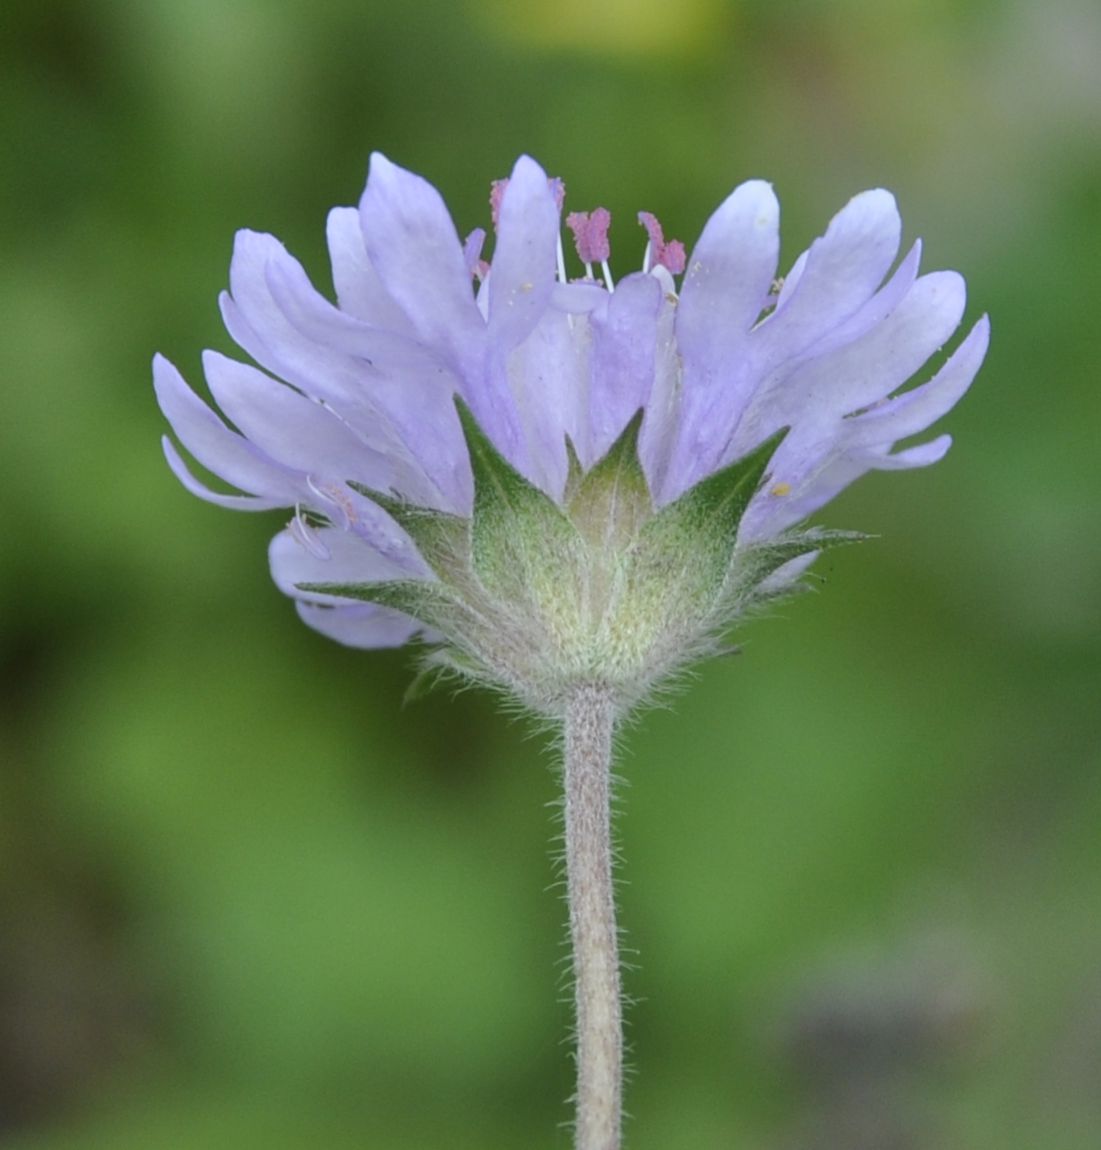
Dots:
(611, 30)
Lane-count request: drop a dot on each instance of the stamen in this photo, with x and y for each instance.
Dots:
(306, 536)
(333, 497)
(669, 255)
(590, 235)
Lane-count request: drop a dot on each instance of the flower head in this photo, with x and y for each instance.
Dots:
(553, 479)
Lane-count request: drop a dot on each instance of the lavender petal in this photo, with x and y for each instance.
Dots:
(359, 290)
(219, 450)
(522, 274)
(350, 560)
(291, 429)
(360, 624)
(623, 355)
(414, 247)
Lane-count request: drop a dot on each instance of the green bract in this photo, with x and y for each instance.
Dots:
(535, 598)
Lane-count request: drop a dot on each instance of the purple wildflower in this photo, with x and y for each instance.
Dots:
(358, 397)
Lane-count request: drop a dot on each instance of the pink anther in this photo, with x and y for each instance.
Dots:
(496, 195)
(671, 255)
(590, 234)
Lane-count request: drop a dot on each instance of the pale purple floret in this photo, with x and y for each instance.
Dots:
(363, 390)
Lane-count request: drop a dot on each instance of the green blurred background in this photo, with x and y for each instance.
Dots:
(249, 900)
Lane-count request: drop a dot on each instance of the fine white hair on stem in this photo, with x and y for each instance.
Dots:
(588, 735)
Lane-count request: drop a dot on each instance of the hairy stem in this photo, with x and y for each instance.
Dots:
(589, 724)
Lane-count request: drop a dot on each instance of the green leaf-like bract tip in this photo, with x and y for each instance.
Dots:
(765, 558)
(574, 471)
(498, 486)
(612, 500)
(620, 463)
(681, 563)
(515, 527)
(720, 500)
(431, 603)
